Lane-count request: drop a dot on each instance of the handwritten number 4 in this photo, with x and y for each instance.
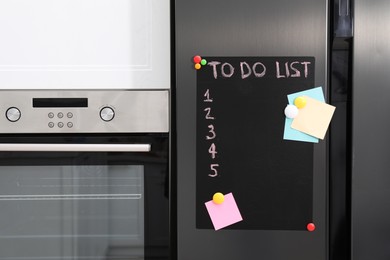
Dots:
(213, 150)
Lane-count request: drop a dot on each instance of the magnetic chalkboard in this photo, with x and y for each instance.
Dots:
(240, 146)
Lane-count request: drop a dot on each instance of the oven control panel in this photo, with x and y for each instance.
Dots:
(40, 111)
(62, 119)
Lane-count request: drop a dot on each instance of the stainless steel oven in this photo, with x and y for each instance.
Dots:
(84, 175)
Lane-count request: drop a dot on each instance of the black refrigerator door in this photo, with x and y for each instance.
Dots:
(231, 32)
(370, 132)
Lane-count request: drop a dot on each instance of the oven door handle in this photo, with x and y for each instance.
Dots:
(16, 147)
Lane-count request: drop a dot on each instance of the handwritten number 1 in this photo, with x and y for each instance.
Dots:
(207, 96)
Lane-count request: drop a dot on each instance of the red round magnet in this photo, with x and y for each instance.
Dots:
(311, 227)
(197, 59)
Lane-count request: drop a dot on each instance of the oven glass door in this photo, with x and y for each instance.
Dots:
(85, 205)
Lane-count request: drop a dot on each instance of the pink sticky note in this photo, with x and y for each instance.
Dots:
(224, 214)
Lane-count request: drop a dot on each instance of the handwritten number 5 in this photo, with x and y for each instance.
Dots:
(214, 170)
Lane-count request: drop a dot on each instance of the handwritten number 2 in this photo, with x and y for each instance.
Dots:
(208, 110)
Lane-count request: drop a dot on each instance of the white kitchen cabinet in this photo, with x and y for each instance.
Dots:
(84, 44)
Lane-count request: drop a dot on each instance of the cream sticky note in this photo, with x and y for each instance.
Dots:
(314, 118)
(224, 214)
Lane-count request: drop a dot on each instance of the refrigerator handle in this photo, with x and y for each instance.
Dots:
(343, 18)
(344, 8)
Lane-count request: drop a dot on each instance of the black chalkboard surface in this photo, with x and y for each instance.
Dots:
(240, 146)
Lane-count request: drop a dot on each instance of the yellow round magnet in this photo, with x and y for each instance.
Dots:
(218, 198)
(300, 102)
(198, 66)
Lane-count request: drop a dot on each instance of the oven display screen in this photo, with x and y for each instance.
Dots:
(60, 102)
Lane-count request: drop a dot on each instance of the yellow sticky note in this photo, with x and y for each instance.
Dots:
(314, 118)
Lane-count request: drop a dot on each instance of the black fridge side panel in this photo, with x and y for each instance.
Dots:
(371, 128)
(248, 28)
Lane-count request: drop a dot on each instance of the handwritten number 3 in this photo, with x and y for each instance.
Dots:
(212, 133)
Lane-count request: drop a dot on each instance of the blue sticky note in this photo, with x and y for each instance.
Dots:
(295, 135)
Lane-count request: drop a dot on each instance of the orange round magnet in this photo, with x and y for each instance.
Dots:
(198, 66)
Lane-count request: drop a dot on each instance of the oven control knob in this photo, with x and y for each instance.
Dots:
(13, 114)
(107, 114)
